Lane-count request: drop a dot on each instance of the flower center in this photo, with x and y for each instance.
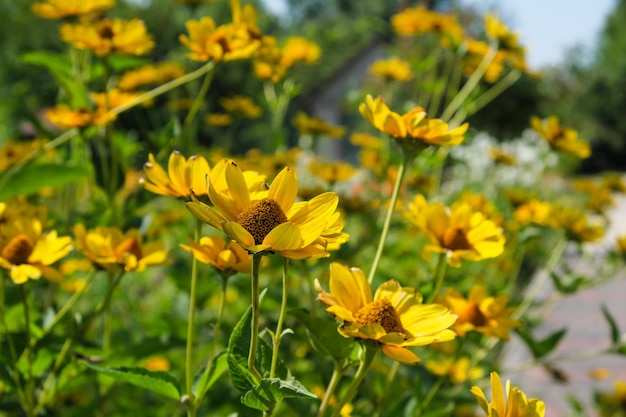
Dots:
(130, 245)
(474, 315)
(455, 239)
(261, 218)
(380, 312)
(105, 31)
(18, 249)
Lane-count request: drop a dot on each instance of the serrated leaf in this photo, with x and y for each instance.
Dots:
(272, 390)
(541, 348)
(240, 376)
(156, 381)
(324, 334)
(32, 178)
(615, 333)
(205, 380)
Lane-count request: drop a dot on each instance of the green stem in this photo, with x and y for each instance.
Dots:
(338, 371)
(29, 390)
(367, 359)
(197, 103)
(431, 394)
(495, 90)
(48, 385)
(437, 176)
(440, 274)
(191, 403)
(254, 333)
(12, 350)
(469, 86)
(281, 318)
(392, 204)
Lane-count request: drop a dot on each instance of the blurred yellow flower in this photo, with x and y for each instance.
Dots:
(414, 129)
(183, 176)
(476, 51)
(226, 257)
(157, 363)
(58, 9)
(315, 126)
(272, 62)
(111, 249)
(461, 233)
(366, 140)
(487, 315)
(129, 37)
(420, 20)
(533, 211)
(457, 370)
(507, 40)
(621, 244)
(331, 172)
(614, 182)
(392, 68)
(218, 119)
(515, 404)
(113, 98)
(501, 157)
(560, 138)
(299, 49)
(576, 224)
(28, 252)
(150, 74)
(242, 106)
(265, 220)
(14, 151)
(394, 317)
(67, 118)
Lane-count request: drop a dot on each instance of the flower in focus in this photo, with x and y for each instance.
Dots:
(515, 404)
(392, 68)
(58, 9)
(394, 317)
(458, 370)
(129, 37)
(461, 233)
(560, 138)
(241, 105)
(413, 130)
(28, 252)
(111, 249)
(266, 220)
(226, 257)
(489, 316)
(150, 74)
(315, 126)
(183, 176)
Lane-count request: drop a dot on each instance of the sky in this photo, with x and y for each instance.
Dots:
(548, 28)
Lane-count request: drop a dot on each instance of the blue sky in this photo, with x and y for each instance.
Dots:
(548, 28)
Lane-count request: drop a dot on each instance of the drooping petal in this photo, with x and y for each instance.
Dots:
(238, 233)
(205, 213)
(400, 354)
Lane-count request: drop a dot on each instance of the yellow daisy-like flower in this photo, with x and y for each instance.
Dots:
(13, 151)
(28, 253)
(515, 404)
(412, 130)
(560, 138)
(394, 317)
(150, 74)
(576, 224)
(227, 257)
(111, 249)
(331, 172)
(461, 233)
(299, 49)
(241, 105)
(66, 118)
(129, 37)
(315, 126)
(183, 176)
(58, 9)
(392, 68)
(487, 315)
(533, 211)
(507, 40)
(266, 220)
(420, 20)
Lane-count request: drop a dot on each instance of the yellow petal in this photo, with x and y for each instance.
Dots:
(497, 394)
(285, 236)
(199, 172)
(400, 354)
(205, 213)
(236, 232)
(22, 273)
(176, 168)
(481, 398)
(284, 189)
(349, 287)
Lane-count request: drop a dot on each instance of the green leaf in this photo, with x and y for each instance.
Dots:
(272, 390)
(156, 381)
(541, 348)
(32, 178)
(205, 380)
(237, 353)
(240, 376)
(570, 287)
(615, 333)
(324, 334)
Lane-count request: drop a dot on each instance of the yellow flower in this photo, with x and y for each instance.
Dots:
(272, 62)
(331, 172)
(14, 151)
(414, 129)
(28, 253)
(614, 182)
(66, 118)
(618, 396)
(515, 404)
(366, 141)
(113, 98)
(458, 370)
(218, 119)
(315, 126)
(111, 249)
(157, 363)
(576, 224)
(237, 40)
(394, 317)
(476, 51)
(184, 176)
(241, 105)
(215, 251)
(501, 157)
(560, 138)
(507, 40)
(266, 220)
(150, 74)
(533, 211)
(392, 68)
(621, 244)
(487, 315)
(461, 233)
(420, 20)
(299, 49)
(58, 9)
(128, 37)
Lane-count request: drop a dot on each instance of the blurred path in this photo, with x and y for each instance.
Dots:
(587, 331)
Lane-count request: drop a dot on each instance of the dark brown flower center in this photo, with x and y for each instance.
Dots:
(18, 249)
(455, 239)
(474, 315)
(261, 218)
(130, 245)
(105, 31)
(380, 312)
